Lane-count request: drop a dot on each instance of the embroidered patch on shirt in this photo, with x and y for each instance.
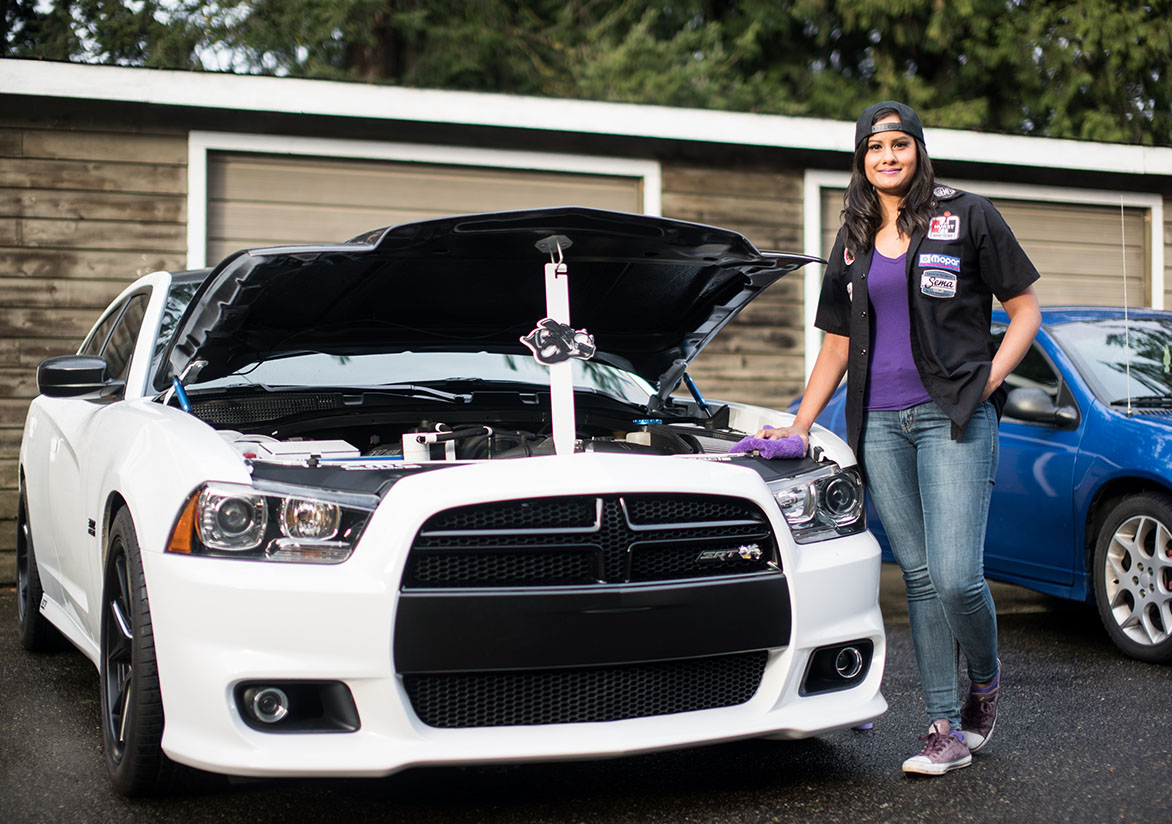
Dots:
(936, 283)
(930, 260)
(942, 192)
(850, 292)
(944, 227)
(847, 257)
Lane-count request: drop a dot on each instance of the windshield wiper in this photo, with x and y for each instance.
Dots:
(415, 391)
(1147, 401)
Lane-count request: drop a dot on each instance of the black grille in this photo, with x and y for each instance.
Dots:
(588, 539)
(670, 509)
(547, 513)
(490, 568)
(501, 699)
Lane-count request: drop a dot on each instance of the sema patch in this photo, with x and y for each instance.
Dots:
(944, 227)
(936, 283)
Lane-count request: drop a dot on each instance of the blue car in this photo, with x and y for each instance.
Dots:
(1082, 507)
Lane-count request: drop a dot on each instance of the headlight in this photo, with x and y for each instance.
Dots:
(270, 523)
(825, 503)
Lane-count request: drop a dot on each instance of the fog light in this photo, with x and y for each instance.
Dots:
(291, 707)
(267, 704)
(838, 667)
(849, 662)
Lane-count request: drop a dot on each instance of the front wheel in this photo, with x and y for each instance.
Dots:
(1133, 576)
(132, 705)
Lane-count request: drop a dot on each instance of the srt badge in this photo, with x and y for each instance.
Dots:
(944, 227)
(552, 342)
(748, 552)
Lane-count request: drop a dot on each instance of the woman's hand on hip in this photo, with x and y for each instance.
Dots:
(990, 387)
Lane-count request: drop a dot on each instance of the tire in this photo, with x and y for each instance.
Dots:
(131, 701)
(1133, 576)
(34, 630)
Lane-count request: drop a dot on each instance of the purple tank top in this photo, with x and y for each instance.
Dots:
(893, 382)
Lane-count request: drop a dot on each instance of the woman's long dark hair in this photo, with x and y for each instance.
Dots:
(860, 213)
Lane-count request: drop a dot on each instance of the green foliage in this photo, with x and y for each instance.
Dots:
(1092, 69)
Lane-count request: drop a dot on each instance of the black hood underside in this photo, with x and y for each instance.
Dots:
(650, 290)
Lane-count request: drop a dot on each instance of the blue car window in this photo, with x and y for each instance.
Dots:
(1122, 362)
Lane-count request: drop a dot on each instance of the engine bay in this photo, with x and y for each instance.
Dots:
(337, 426)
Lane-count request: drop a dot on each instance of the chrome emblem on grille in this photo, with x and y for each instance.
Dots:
(747, 552)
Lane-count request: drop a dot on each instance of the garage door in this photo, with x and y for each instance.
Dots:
(1076, 247)
(259, 200)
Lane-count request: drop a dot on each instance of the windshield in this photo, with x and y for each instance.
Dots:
(314, 369)
(1120, 363)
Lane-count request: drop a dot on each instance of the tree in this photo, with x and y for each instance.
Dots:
(1094, 69)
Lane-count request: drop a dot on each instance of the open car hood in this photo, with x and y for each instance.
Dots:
(652, 291)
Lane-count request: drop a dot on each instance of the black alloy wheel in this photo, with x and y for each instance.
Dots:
(132, 707)
(34, 630)
(1133, 576)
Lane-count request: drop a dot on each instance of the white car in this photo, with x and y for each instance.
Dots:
(339, 510)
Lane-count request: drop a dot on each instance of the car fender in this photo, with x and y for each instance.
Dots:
(150, 458)
(749, 418)
(1119, 448)
(153, 457)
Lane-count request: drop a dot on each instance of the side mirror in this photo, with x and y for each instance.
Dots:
(68, 376)
(1028, 403)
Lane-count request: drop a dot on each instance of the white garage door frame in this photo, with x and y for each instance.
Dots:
(816, 181)
(200, 144)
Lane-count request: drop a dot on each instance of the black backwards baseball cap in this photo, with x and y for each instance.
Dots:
(909, 121)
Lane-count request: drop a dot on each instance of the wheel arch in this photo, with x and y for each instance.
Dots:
(115, 503)
(1103, 501)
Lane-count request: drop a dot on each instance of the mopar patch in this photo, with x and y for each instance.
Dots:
(944, 227)
(936, 283)
(944, 192)
(931, 260)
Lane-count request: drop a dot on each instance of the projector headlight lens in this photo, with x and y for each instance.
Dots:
(271, 522)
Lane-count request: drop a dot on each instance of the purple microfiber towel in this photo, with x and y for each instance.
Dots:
(790, 446)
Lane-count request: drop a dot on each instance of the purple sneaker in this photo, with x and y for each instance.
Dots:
(943, 750)
(978, 716)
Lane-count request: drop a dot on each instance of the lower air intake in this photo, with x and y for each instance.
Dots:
(571, 696)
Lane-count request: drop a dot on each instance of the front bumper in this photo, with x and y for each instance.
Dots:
(219, 623)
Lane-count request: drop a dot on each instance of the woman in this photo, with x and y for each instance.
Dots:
(905, 304)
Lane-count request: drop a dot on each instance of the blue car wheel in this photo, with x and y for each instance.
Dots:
(1133, 576)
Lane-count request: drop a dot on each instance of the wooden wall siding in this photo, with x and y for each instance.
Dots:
(758, 358)
(83, 211)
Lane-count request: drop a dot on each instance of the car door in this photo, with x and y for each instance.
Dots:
(1031, 519)
(70, 515)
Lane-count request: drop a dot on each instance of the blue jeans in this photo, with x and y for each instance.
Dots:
(932, 495)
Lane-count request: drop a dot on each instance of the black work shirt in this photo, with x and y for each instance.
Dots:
(967, 256)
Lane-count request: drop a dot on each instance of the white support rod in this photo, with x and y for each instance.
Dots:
(561, 375)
